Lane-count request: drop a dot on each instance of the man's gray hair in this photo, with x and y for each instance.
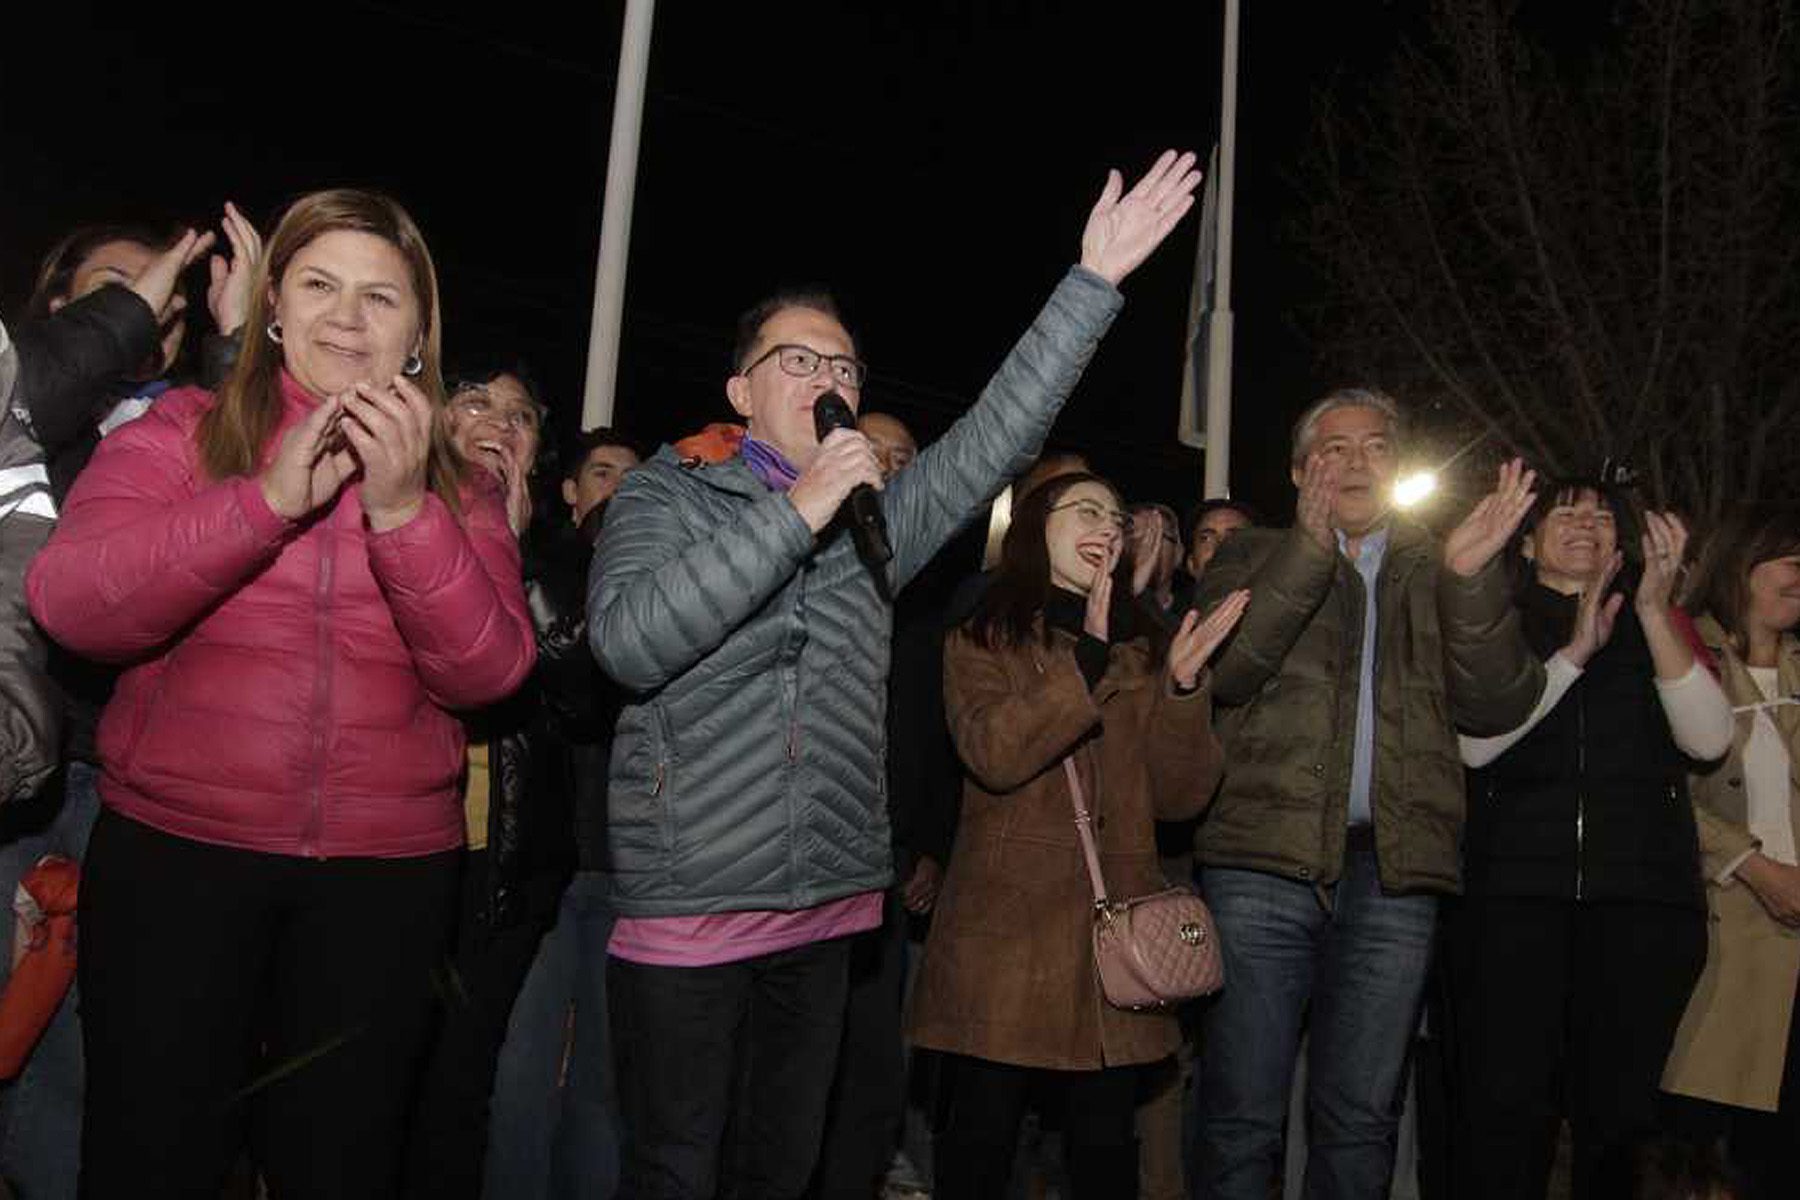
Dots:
(1355, 397)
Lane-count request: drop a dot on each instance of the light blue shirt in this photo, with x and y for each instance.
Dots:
(1362, 763)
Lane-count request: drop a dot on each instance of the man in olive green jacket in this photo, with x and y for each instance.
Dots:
(1366, 646)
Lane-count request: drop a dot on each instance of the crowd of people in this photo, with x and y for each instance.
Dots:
(447, 811)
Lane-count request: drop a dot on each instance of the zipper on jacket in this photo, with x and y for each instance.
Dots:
(1580, 788)
(665, 749)
(1375, 700)
(315, 820)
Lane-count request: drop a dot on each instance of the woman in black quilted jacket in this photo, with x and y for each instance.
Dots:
(1582, 929)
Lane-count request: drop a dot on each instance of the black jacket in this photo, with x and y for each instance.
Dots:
(924, 780)
(74, 366)
(546, 742)
(1592, 804)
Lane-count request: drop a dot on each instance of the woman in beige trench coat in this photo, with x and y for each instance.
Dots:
(1049, 668)
(1734, 1074)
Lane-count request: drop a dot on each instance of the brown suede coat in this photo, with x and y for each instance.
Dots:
(1009, 973)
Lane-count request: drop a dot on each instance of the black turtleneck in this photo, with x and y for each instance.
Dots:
(1067, 611)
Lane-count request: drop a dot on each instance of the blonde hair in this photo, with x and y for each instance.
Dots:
(233, 433)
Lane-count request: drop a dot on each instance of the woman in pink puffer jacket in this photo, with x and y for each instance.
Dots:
(302, 584)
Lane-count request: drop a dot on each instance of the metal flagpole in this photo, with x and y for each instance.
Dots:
(615, 216)
(1218, 356)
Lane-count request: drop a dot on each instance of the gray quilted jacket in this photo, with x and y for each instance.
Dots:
(748, 773)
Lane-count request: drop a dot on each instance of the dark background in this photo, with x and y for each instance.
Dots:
(932, 161)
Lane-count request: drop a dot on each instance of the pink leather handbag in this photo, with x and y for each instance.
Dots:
(1152, 950)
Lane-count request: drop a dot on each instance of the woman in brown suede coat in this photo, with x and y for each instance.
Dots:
(1045, 669)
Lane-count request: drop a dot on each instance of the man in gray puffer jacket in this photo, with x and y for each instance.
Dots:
(748, 826)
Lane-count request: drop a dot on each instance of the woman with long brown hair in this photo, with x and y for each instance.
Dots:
(1734, 1074)
(302, 582)
(1048, 668)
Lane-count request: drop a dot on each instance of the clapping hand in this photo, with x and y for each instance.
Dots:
(515, 477)
(1146, 548)
(1123, 229)
(1473, 544)
(228, 295)
(310, 466)
(1318, 490)
(1099, 597)
(390, 430)
(1595, 614)
(1665, 543)
(1196, 640)
(156, 286)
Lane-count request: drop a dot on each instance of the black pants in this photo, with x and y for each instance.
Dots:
(448, 1145)
(1562, 1008)
(868, 1097)
(724, 1071)
(228, 993)
(982, 1105)
(1763, 1147)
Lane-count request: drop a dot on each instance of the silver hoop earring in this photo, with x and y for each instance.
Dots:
(412, 366)
(273, 329)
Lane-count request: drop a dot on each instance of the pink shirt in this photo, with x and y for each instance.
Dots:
(714, 938)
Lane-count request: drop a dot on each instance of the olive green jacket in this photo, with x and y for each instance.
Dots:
(1449, 656)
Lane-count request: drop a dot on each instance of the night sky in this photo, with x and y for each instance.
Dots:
(933, 162)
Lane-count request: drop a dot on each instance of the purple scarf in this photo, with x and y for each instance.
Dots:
(768, 464)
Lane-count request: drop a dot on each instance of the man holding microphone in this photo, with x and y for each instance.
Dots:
(748, 820)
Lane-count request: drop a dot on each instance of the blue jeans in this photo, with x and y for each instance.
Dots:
(1361, 966)
(547, 1135)
(40, 1120)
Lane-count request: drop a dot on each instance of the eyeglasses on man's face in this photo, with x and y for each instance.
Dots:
(1091, 514)
(802, 362)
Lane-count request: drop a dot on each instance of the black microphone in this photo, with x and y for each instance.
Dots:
(867, 525)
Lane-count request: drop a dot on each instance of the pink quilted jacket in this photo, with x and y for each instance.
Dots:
(288, 685)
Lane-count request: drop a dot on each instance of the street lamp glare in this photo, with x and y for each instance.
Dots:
(1413, 489)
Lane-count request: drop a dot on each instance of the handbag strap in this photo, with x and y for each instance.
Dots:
(1083, 825)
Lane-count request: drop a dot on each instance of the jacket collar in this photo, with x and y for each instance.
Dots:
(1741, 689)
(1409, 546)
(1127, 664)
(296, 401)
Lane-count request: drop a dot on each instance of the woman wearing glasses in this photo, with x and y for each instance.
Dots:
(518, 793)
(1735, 1071)
(302, 582)
(1048, 668)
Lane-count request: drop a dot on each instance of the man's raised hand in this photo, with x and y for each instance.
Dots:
(1318, 492)
(1125, 227)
